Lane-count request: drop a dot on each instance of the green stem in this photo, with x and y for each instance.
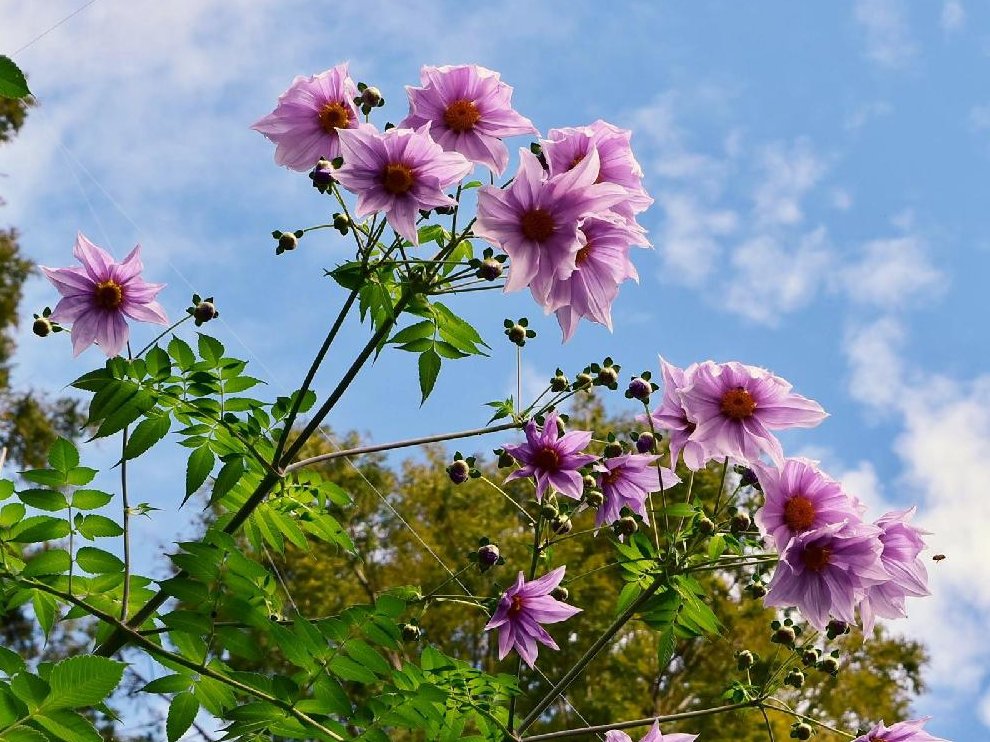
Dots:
(784, 709)
(162, 334)
(126, 525)
(505, 494)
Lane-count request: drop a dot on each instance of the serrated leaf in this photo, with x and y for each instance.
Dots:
(168, 684)
(180, 351)
(198, 469)
(6, 489)
(97, 561)
(46, 477)
(12, 81)
(44, 500)
(98, 526)
(146, 434)
(90, 499)
(429, 369)
(50, 562)
(10, 661)
(63, 455)
(82, 681)
(68, 726)
(210, 349)
(229, 475)
(37, 528)
(416, 331)
(158, 363)
(181, 714)
(79, 476)
(45, 610)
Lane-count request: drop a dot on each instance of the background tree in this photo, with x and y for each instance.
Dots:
(876, 679)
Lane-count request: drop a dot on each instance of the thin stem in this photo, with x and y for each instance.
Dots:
(126, 524)
(537, 527)
(454, 576)
(639, 722)
(766, 719)
(162, 334)
(518, 378)
(784, 709)
(398, 444)
(506, 495)
(721, 486)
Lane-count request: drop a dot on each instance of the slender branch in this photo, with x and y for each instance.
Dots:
(784, 709)
(639, 722)
(361, 450)
(763, 710)
(126, 525)
(162, 334)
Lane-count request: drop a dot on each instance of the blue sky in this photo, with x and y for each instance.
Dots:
(819, 173)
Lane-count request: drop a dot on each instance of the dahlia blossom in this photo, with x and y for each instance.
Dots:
(735, 407)
(309, 117)
(902, 543)
(398, 172)
(601, 264)
(904, 731)
(670, 416)
(565, 148)
(825, 572)
(535, 221)
(470, 111)
(550, 458)
(626, 481)
(97, 296)
(521, 610)
(799, 497)
(651, 736)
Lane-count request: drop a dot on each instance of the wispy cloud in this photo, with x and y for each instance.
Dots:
(891, 274)
(888, 38)
(953, 16)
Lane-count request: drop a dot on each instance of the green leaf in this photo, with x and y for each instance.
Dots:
(158, 364)
(46, 611)
(44, 500)
(168, 684)
(432, 232)
(10, 661)
(210, 350)
(472, 184)
(229, 475)
(181, 353)
(50, 562)
(12, 81)
(79, 476)
(98, 526)
(68, 726)
(23, 734)
(681, 510)
(147, 433)
(181, 714)
(347, 669)
(429, 369)
(36, 528)
(716, 546)
(628, 595)
(90, 499)
(46, 477)
(198, 469)
(97, 561)
(419, 330)
(85, 680)
(6, 488)
(63, 455)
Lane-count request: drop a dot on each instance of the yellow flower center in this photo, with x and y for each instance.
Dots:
(737, 404)
(334, 115)
(537, 225)
(108, 294)
(461, 115)
(799, 513)
(397, 178)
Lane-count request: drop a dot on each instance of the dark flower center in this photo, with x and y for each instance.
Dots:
(576, 161)
(547, 459)
(515, 605)
(737, 404)
(334, 116)
(108, 294)
(397, 178)
(537, 225)
(611, 478)
(461, 115)
(583, 254)
(816, 558)
(799, 513)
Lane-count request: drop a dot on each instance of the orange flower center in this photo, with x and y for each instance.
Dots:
(334, 116)
(575, 162)
(737, 404)
(546, 458)
(537, 225)
(799, 513)
(397, 178)
(611, 478)
(461, 115)
(816, 558)
(515, 605)
(583, 254)
(108, 294)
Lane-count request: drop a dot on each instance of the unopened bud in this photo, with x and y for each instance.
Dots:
(626, 526)
(204, 312)
(561, 525)
(371, 97)
(705, 526)
(341, 223)
(745, 659)
(810, 657)
(646, 442)
(517, 334)
(740, 522)
(490, 269)
(639, 388)
(42, 327)
(560, 593)
(559, 383)
(411, 632)
(784, 635)
(801, 731)
(608, 376)
(287, 241)
(488, 556)
(795, 679)
(583, 380)
(613, 448)
(459, 471)
(829, 665)
(594, 498)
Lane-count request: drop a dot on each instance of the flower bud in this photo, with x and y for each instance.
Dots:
(341, 223)
(594, 498)
(589, 482)
(705, 526)
(286, 241)
(836, 628)
(42, 327)
(810, 657)
(740, 522)
(801, 731)
(784, 635)
(747, 477)
(459, 471)
(613, 448)
(829, 665)
(517, 334)
(646, 442)
(505, 459)
(371, 97)
(583, 380)
(488, 556)
(490, 269)
(756, 590)
(561, 525)
(745, 659)
(560, 593)
(626, 526)
(411, 632)
(322, 175)
(549, 510)
(795, 678)
(639, 388)
(559, 382)
(607, 376)
(204, 312)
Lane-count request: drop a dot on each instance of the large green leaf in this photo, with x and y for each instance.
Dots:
(83, 681)
(12, 81)
(147, 433)
(181, 714)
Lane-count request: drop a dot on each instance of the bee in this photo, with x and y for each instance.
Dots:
(938, 557)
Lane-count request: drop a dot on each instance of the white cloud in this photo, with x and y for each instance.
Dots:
(943, 447)
(788, 173)
(953, 16)
(842, 199)
(867, 113)
(890, 273)
(770, 279)
(888, 38)
(690, 239)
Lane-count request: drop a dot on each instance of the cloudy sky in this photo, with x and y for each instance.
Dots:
(820, 176)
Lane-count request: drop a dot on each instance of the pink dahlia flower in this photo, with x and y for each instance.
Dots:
(550, 458)
(97, 297)
(535, 221)
(904, 731)
(601, 264)
(825, 572)
(734, 407)
(521, 610)
(566, 148)
(309, 117)
(902, 543)
(651, 736)
(799, 497)
(626, 481)
(671, 416)
(470, 111)
(398, 172)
